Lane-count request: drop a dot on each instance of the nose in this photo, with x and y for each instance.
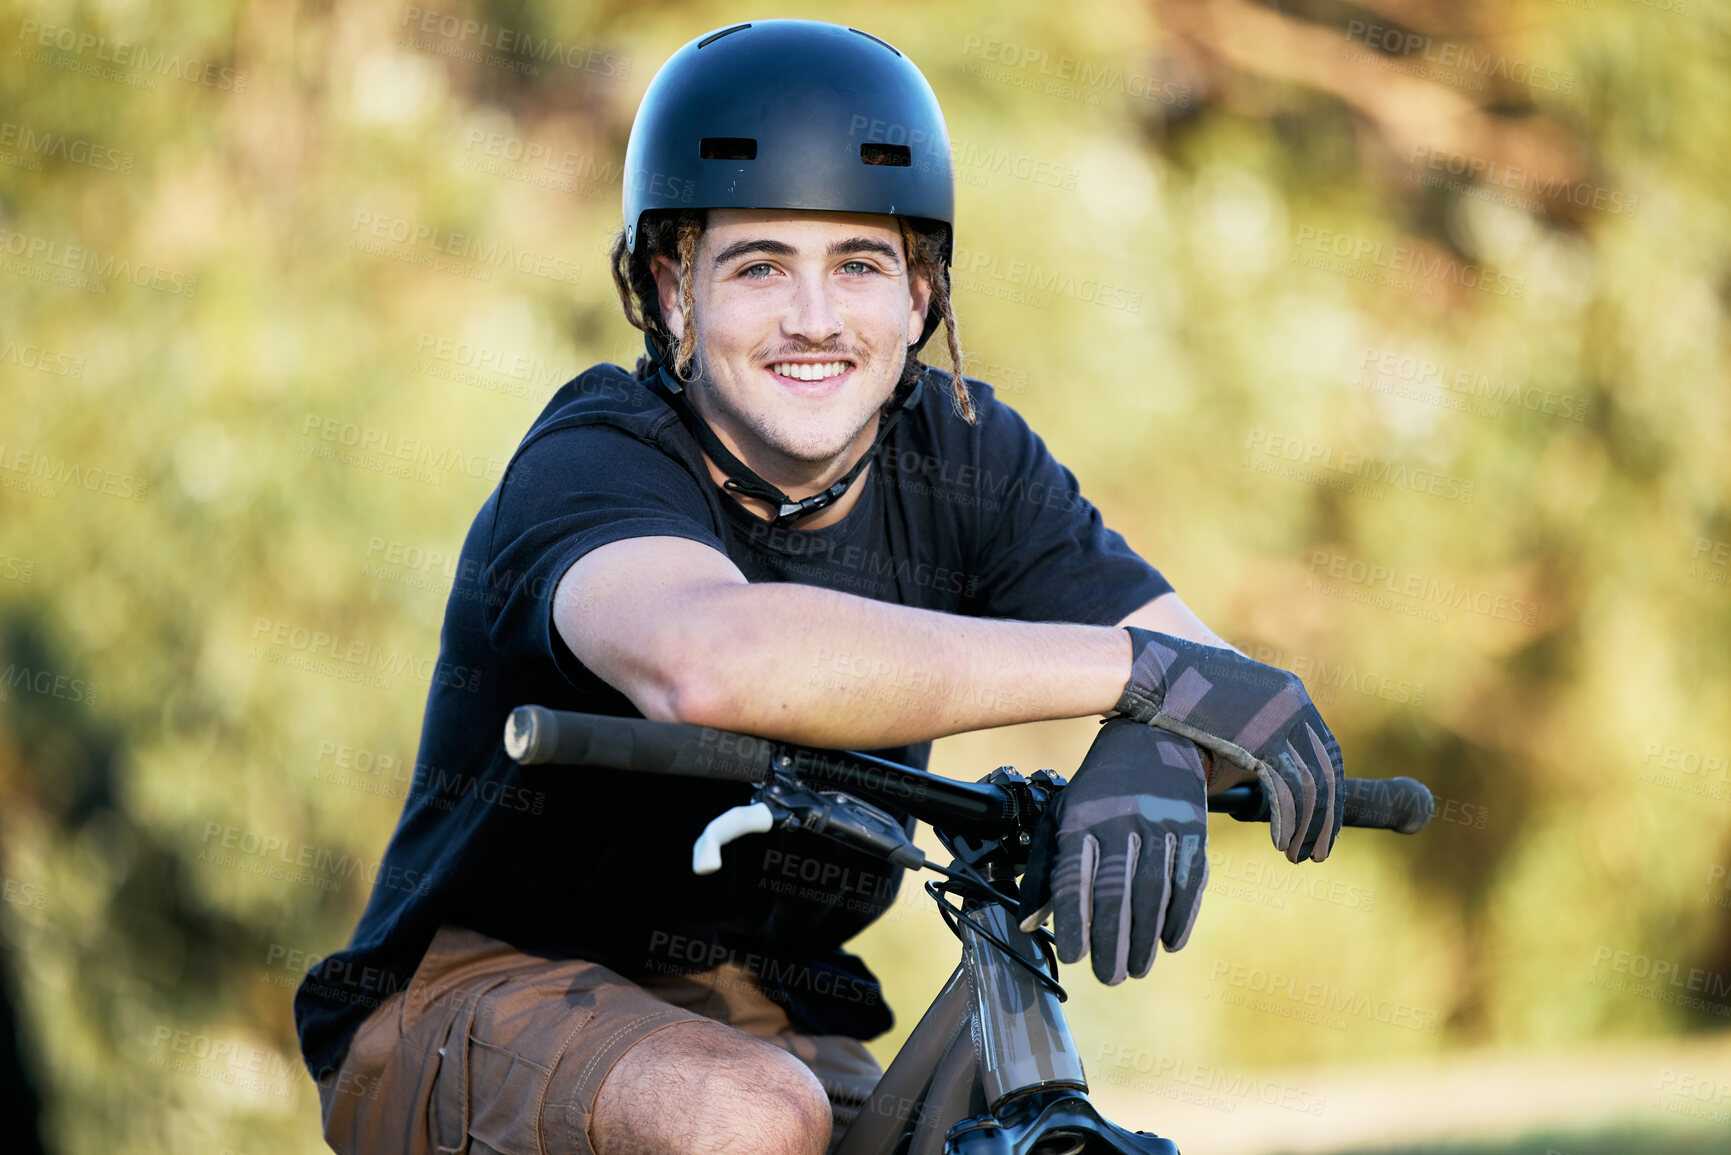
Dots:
(811, 314)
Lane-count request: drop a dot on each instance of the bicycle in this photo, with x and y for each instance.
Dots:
(991, 1068)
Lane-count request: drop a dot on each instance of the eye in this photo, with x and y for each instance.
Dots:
(859, 267)
(757, 270)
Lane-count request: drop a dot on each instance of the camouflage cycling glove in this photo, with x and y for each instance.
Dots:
(1119, 855)
(1253, 715)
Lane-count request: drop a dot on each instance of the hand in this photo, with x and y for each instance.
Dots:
(1118, 856)
(1255, 716)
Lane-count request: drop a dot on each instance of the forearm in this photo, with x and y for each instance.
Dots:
(1167, 614)
(822, 668)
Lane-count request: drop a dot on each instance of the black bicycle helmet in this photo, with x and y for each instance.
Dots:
(788, 114)
(791, 114)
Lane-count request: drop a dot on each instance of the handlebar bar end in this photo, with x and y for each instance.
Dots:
(530, 735)
(1403, 805)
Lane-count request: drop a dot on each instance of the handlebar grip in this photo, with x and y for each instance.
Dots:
(1403, 805)
(535, 735)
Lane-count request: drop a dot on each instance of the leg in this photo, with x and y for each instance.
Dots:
(707, 1089)
(727, 994)
(491, 1050)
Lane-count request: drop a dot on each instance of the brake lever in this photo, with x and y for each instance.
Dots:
(846, 819)
(731, 823)
(833, 814)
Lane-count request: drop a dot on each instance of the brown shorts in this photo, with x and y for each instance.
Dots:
(490, 1050)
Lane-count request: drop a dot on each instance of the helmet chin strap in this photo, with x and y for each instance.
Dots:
(740, 478)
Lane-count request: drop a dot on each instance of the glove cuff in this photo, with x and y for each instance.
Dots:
(1145, 691)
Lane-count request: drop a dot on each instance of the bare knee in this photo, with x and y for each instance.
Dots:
(706, 1089)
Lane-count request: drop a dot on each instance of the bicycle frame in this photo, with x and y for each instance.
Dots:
(990, 1068)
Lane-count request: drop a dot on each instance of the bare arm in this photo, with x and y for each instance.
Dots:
(676, 627)
(1167, 614)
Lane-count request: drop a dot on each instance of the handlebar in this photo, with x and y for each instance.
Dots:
(536, 735)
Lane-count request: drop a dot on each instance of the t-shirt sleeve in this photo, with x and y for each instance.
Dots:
(1045, 553)
(567, 492)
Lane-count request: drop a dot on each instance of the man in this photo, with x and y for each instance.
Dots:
(783, 525)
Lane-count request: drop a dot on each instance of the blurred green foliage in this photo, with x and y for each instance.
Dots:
(176, 490)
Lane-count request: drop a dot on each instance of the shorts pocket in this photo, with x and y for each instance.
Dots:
(507, 1092)
(520, 1037)
(448, 1105)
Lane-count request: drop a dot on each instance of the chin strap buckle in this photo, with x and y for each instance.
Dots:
(791, 510)
(740, 478)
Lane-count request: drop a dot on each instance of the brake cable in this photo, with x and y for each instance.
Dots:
(785, 800)
(970, 879)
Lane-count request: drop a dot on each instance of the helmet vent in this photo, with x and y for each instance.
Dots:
(708, 40)
(733, 148)
(868, 36)
(897, 155)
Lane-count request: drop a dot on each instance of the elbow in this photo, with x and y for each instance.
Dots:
(691, 685)
(698, 701)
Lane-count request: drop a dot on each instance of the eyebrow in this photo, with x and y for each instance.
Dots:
(783, 249)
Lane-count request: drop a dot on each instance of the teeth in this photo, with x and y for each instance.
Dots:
(804, 372)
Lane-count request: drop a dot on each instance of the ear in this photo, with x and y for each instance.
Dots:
(920, 299)
(666, 272)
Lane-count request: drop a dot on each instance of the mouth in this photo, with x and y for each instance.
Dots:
(812, 377)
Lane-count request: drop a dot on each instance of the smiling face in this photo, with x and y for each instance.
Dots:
(803, 323)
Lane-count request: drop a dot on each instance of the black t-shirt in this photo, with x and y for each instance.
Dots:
(567, 862)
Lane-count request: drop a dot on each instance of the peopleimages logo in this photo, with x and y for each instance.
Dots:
(48, 683)
(539, 373)
(1709, 560)
(88, 270)
(233, 1061)
(1038, 280)
(1289, 996)
(1686, 770)
(1069, 76)
(1479, 65)
(1407, 259)
(676, 953)
(135, 59)
(1310, 456)
(1424, 373)
(1230, 1087)
(391, 448)
(1544, 186)
(24, 894)
(1450, 594)
(35, 144)
(362, 655)
(1665, 980)
(459, 31)
(1277, 880)
(42, 359)
(414, 236)
(307, 865)
(51, 472)
(1692, 1095)
(1326, 680)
